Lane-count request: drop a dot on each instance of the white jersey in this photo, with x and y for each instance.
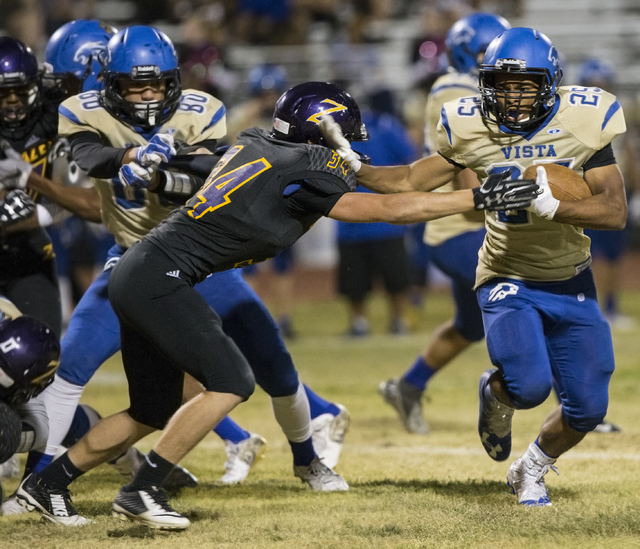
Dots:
(519, 244)
(130, 213)
(448, 87)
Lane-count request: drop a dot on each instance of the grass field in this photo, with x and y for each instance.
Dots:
(439, 490)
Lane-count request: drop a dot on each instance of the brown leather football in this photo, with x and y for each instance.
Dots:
(565, 184)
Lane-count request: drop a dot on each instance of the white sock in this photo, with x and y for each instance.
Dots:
(293, 414)
(61, 399)
(538, 454)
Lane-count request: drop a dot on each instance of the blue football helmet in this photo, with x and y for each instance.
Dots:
(20, 94)
(596, 72)
(71, 55)
(140, 54)
(267, 78)
(29, 356)
(520, 51)
(299, 110)
(469, 37)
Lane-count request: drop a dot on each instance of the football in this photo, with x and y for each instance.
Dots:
(565, 184)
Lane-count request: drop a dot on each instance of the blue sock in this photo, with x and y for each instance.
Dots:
(36, 462)
(229, 430)
(80, 425)
(319, 405)
(419, 373)
(303, 452)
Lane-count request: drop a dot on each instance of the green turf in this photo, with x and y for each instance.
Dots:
(439, 490)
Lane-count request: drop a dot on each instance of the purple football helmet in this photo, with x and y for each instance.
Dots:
(20, 97)
(29, 356)
(300, 109)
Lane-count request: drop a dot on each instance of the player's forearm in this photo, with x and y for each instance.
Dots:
(80, 201)
(94, 157)
(425, 174)
(384, 179)
(595, 212)
(417, 207)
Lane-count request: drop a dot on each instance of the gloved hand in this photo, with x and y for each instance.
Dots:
(16, 206)
(159, 149)
(499, 192)
(134, 175)
(14, 170)
(332, 134)
(545, 205)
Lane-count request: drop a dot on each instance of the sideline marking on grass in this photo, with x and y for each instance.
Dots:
(462, 451)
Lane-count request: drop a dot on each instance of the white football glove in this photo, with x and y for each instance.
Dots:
(14, 170)
(134, 175)
(159, 149)
(332, 134)
(545, 205)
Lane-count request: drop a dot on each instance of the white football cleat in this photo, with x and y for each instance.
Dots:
(320, 477)
(526, 477)
(11, 507)
(10, 468)
(241, 457)
(328, 432)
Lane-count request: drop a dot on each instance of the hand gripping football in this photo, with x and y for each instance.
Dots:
(565, 184)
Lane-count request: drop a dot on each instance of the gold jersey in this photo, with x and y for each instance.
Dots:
(519, 244)
(448, 87)
(130, 213)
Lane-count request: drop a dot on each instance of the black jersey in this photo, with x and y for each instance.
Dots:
(21, 252)
(261, 197)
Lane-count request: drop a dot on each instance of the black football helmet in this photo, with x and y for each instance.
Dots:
(300, 109)
(20, 93)
(29, 357)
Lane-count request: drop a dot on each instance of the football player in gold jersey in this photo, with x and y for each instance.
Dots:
(533, 282)
(453, 240)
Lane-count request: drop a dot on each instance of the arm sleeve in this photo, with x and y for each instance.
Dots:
(601, 158)
(91, 154)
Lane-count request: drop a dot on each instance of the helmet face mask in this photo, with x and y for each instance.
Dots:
(140, 56)
(299, 110)
(528, 57)
(20, 94)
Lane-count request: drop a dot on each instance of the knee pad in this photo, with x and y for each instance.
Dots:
(588, 415)
(529, 393)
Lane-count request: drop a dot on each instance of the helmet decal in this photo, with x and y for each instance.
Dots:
(336, 108)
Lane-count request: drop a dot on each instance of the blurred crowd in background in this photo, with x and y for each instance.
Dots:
(387, 53)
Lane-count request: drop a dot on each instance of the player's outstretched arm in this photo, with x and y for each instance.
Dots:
(498, 192)
(400, 208)
(425, 174)
(606, 209)
(84, 202)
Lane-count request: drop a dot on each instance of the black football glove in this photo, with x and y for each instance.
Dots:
(15, 207)
(499, 192)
